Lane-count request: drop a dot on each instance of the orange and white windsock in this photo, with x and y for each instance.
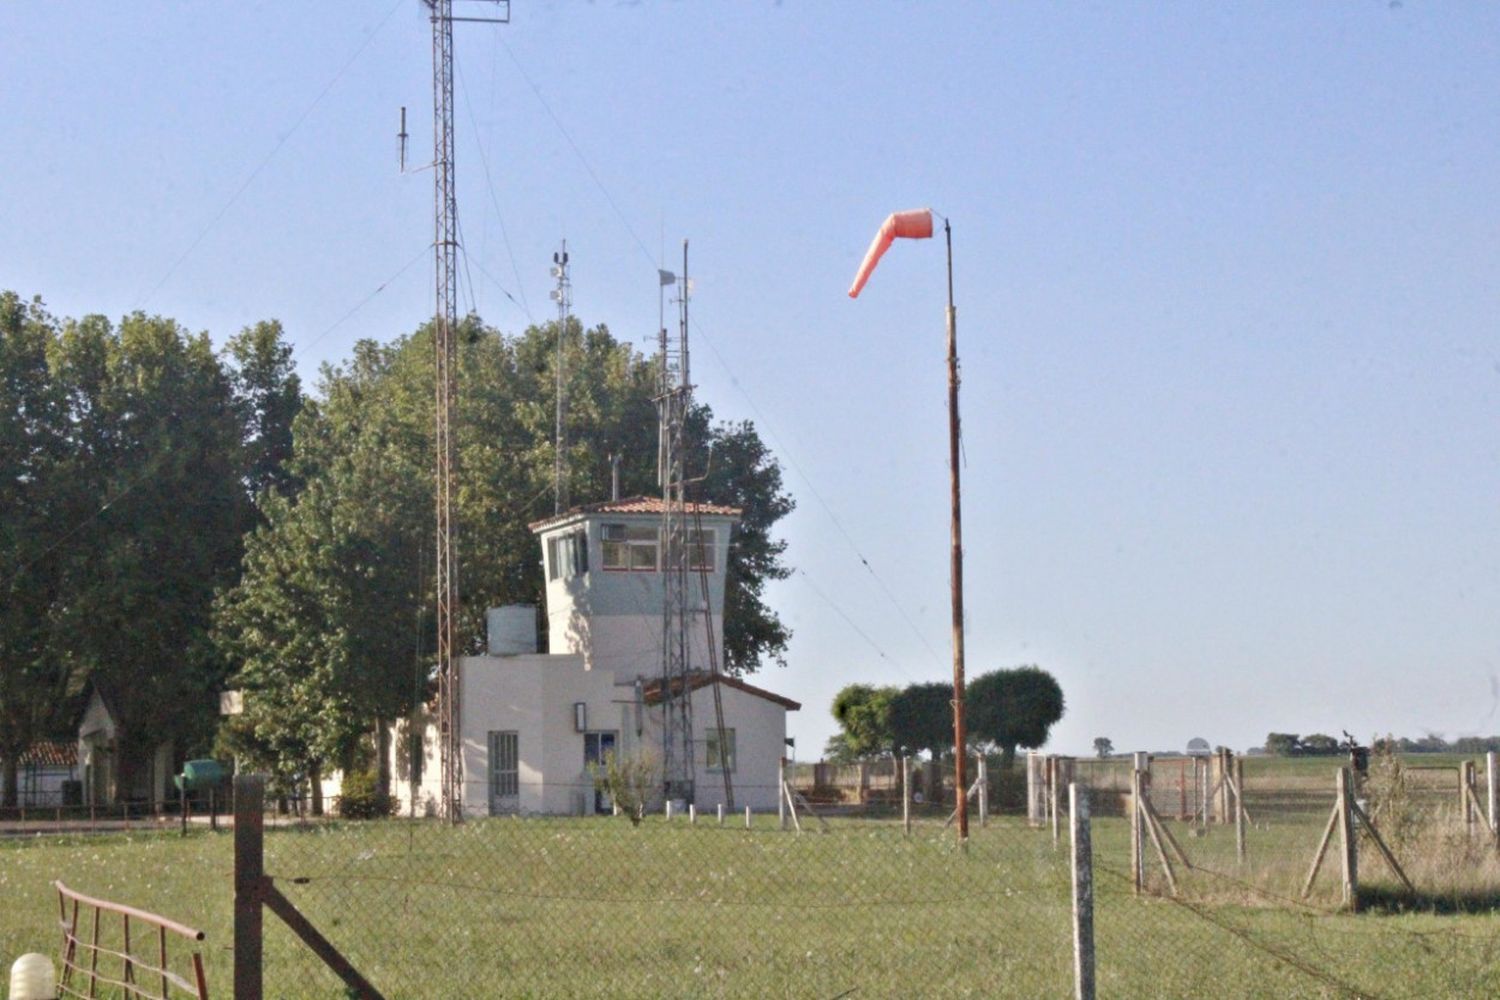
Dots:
(915, 224)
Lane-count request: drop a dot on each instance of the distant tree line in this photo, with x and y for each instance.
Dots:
(1319, 745)
(1005, 709)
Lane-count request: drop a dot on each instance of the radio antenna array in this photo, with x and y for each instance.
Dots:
(445, 324)
(678, 767)
(562, 294)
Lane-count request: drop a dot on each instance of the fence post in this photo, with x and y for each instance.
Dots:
(1054, 804)
(1139, 788)
(1033, 790)
(1135, 830)
(1467, 794)
(1350, 848)
(781, 795)
(1239, 809)
(906, 795)
(249, 873)
(984, 792)
(1083, 892)
(1493, 798)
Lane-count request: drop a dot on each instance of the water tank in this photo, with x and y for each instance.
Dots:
(511, 630)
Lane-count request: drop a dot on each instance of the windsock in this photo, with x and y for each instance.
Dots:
(915, 224)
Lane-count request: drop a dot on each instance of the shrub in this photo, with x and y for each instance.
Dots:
(631, 781)
(361, 798)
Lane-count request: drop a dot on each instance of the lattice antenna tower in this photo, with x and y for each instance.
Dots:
(445, 328)
(672, 402)
(562, 294)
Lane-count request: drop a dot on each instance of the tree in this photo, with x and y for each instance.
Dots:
(268, 395)
(921, 718)
(1319, 745)
(1013, 708)
(34, 681)
(1103, 747)
(864, 714)
(1283, 744)
(152, 522)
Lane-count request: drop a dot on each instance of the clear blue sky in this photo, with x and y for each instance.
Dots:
(1228, 281)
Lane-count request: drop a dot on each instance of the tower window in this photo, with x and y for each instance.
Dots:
(630, 547)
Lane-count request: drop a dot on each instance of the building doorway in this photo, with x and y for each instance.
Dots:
(595, 746)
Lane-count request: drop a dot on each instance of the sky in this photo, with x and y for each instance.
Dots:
(1227, 282)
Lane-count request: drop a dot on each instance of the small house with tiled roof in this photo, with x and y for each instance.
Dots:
(533, 723)
(47, 775)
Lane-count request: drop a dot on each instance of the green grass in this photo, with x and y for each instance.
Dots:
(555, 907)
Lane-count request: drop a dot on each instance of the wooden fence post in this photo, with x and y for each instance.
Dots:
(1054, 803)
(249, 871)
(1239, 809)
(1349, 846)
(1466, 795)
(1083, 892)
(1136, 847)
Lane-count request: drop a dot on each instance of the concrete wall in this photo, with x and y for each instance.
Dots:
(533, 695)
(613, 617)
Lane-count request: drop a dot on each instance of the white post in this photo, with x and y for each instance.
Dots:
(747, 817)
(692, 814)
(906, 795)
(781, 795)
(1083, 893)
(721, 814)
(984, 792)
(669, 809)
(1491, 777)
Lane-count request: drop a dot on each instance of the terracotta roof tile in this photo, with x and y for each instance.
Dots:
(700, 680)
(634, 505)
(51, 755)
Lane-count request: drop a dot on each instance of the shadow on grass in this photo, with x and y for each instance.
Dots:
(1383, 900)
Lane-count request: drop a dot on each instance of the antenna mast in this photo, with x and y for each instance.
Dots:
(677, 696)
(445, 253)
(563, 296)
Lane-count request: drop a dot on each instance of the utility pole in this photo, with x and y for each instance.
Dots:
(445, 323)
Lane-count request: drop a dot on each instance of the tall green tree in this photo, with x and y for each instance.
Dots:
(268, 395)
(1013, 708)
(34, 681)
(922, 718)
(863, 712)
(153, 526)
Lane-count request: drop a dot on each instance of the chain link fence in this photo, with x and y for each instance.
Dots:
(852, 906)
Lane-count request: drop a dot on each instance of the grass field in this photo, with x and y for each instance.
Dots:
(533, 908)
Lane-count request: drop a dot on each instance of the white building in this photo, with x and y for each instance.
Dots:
(532, 724)
(99, 754)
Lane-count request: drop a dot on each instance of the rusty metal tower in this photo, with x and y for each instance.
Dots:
(445, 328)
(678, 768)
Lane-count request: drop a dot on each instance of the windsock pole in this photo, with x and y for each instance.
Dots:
(960, 732)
